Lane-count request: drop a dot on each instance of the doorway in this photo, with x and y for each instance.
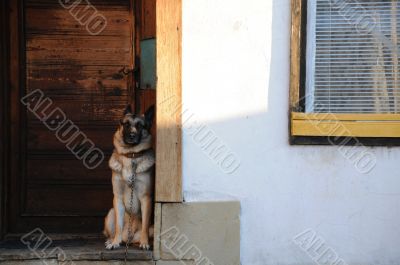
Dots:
(82, 58)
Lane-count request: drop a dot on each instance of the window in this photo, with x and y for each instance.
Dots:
(345, 68)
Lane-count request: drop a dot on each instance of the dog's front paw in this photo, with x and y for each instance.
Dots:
(144, 243)
(112, 244)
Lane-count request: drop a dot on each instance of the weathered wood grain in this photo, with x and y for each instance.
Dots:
(53, 4)
(65, 171)
(91, 56)
(148, 19)
(82, 76)
(82, 82)
(169, 89)
(62, 199)
(92, 108)
(51, 21)
(295, 53)
(51, 42)
(41, 139)
(81, 88)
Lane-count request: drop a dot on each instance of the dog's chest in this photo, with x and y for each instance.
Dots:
(122, 165)
(131, 202)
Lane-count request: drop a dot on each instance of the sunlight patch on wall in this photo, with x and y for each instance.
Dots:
(226, 59)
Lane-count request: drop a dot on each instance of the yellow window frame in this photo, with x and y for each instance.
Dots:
(327, 124)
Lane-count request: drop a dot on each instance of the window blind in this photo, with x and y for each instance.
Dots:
(353, 56)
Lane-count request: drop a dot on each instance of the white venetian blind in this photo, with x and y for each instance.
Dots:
(353, 56)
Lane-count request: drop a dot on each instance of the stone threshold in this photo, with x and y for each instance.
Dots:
(66, 248)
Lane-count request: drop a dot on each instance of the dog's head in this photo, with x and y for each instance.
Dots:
(136, 128)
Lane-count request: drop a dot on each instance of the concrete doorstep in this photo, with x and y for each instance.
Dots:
(204, 233)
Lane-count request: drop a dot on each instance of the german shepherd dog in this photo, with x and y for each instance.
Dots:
(132, 164)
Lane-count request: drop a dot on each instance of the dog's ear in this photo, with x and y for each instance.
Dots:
(148, 117)
(128, 109)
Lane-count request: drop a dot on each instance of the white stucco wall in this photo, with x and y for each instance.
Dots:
(236, 83)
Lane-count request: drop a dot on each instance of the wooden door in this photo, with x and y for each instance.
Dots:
(76, 55)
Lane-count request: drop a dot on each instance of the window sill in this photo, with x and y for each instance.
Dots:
(345, 125)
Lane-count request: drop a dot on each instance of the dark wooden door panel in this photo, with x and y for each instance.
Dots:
(55, 20)
(61, 199)
(43, 140)
(89, 109)
(64, 169)
(83, 76)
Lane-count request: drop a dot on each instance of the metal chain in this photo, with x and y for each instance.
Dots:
(130, 236)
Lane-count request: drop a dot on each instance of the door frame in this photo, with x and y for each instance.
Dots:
(4, 119)
(168, 100)
(10, 86)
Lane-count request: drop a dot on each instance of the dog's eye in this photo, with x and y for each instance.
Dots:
(139, 126)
